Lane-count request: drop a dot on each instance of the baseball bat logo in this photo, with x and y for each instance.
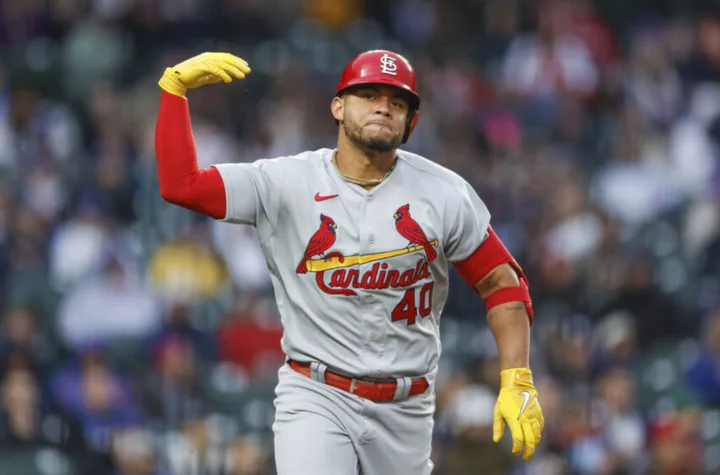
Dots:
(381, 276)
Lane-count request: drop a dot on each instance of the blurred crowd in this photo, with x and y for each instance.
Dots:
(137, 338)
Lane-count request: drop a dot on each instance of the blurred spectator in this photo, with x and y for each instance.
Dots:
(249, 338)
(620, 430)
(36, 131)
(692, 150)
(243, 256)
(577, 232)
(246, 456)
(96, 399)
(472, 449)
(597, 35)
(112, 183)
(92, 53)
(77, 247)
(636, 185)
(21, 334)
(652, 84)
(178, 325)
(21, 21)
(657, 317)
(26, 246)
(615, 342)
(174, 394)
(334, 14)
(552, 62)
(191, 450)
(186, 270)
(675, 446)
(703, 66)
(133, 454)
(115, 304)
(415, 21)
(709, 256)
(569, 356)
(703, 372)
(25, 416)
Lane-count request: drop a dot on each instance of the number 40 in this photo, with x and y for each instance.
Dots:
(406, 309)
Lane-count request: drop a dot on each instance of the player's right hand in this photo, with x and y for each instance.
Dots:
(518, 407)
(203, 69)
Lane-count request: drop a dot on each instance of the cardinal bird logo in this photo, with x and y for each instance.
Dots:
(411, 230)
(321, 241)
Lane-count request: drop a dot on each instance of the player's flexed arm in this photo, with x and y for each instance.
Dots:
(181, 181)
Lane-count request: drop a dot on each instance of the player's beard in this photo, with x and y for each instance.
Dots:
(354, 132)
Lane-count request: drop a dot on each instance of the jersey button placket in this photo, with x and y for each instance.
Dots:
(367, 238)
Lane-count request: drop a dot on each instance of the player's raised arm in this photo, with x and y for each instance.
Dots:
(181, 181)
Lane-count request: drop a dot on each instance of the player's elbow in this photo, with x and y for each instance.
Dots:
(170, 194)
(178, 191)
(501, 277)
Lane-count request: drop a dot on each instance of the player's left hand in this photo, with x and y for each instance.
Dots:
(201, 70)
(518, 406)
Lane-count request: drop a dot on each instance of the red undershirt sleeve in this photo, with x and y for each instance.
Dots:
(181, 181)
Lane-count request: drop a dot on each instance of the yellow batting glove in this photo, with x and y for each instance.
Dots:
(206, 68)
(518, 406)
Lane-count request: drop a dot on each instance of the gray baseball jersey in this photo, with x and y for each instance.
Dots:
(360, 277)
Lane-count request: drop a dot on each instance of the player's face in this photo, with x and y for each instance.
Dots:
(374, 117)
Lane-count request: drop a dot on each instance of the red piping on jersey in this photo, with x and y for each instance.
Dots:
(181, 181)
(490, 254)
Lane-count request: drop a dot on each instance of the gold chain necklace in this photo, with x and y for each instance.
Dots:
(363, 181)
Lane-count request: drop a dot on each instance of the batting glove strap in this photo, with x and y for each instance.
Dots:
(170, 82)
(520, 377)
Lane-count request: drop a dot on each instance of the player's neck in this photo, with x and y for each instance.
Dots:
(363, 164)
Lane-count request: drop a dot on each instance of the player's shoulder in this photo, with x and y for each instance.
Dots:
(306, 159)
(427, 170)
(294, 166)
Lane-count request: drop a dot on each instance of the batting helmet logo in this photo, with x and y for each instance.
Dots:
(387, 65)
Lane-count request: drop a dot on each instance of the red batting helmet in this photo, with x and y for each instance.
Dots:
(383, 67)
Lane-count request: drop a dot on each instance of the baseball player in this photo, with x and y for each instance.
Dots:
(358, 240)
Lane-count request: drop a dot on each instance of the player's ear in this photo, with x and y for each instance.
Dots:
(411, 123)
(337, 106)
